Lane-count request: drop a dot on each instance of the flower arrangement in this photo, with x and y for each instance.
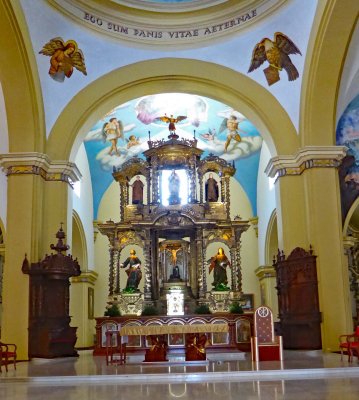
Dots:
(112, 311)
(202, 309)
(150, 310)
(235, 308)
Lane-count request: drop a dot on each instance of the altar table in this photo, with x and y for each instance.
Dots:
(158, 349)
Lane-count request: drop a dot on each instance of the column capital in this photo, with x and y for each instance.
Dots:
(33, 163)
(265, 271)
(86, 277)
(305, 158)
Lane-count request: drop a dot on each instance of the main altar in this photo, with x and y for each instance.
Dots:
(174, 204)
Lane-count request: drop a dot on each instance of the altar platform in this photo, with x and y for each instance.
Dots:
(312, 374)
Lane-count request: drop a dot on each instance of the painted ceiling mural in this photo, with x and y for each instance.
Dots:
(124, 131)
(348, 135)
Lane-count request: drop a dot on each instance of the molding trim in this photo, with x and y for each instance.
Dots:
(167, 24)
(39, 164)
(306, 158)
(265, 271)
(254, 222)
(86, 277)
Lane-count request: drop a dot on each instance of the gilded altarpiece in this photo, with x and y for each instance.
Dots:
(174, 235)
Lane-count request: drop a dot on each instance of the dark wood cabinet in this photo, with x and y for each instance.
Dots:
(298, 302)
(50, 333)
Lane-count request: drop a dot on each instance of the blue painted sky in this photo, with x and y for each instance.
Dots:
(204, 116)
(348, 135)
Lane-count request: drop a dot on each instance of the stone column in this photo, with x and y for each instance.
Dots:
(309, 213)
(268, 282)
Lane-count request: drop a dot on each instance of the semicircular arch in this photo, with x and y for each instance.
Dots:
(324, 65)
(20, 82)
(186, 76)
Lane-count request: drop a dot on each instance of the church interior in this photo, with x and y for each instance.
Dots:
(179, 169)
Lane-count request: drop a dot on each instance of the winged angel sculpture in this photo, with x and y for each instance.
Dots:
(64, 57)
(277, 54)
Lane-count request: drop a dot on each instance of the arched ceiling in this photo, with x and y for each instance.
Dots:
(228, 16)
(204, 118)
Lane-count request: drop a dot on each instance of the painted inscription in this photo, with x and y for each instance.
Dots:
(137, 32)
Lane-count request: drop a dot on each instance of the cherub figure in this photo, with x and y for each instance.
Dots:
(132, 141)
(64, 57)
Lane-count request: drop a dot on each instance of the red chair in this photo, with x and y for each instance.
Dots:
(265, 346)
(7, 354)
(350, 344)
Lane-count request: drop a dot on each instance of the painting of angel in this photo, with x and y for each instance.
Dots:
(65, 56)
(132, 141)
(112, 131)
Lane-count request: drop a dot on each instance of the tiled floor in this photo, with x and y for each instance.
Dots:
(303, 375)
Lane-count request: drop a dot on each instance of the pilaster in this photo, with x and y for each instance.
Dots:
(30, 226)
(267, 280)
(308, 200)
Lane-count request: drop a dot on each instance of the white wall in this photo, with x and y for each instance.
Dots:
(4, 148)
(83, 205)
(266, 202)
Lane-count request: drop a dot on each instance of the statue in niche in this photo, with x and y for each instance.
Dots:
(175, 273)
(211, 189)
(218, 265)
(137, 191)
(174, 187)
(134, 272)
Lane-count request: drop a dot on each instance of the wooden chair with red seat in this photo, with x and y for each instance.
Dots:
(350, 344)
(265, 346)
(7, 354)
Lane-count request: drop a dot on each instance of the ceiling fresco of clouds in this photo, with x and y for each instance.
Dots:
(124, 131)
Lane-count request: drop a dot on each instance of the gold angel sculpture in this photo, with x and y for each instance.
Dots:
(64, 57)
(276, 52)
(171, 121)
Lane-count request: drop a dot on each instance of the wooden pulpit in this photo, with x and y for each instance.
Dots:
(50, 333)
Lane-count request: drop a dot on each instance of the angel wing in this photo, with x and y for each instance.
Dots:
(285, 44)
(78, 61)
(180, 118)
(164, 118)
(104, 133)
(223, 126)
(258, 57)
(50, 47)
(120, 126)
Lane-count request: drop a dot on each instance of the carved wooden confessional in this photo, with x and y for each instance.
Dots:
(297, 286)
